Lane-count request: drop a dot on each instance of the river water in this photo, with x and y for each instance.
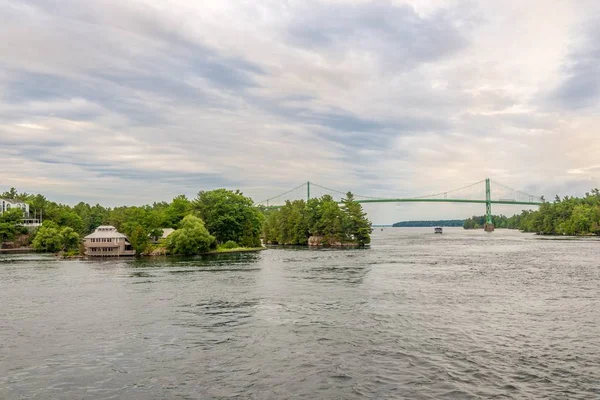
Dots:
(421, 316)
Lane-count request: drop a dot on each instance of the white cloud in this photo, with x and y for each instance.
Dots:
(135, 101)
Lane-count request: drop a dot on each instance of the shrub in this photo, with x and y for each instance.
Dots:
(230, 244)
(192, 238)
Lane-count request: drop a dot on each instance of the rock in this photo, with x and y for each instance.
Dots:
(315, 241)
(160, 251)
(321, 241)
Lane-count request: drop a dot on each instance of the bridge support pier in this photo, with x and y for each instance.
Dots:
(489, 222)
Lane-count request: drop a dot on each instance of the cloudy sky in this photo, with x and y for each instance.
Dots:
(131, 101)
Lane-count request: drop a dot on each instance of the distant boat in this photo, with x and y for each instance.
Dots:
(438, 230)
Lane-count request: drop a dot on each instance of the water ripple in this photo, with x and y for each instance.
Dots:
(461, 316)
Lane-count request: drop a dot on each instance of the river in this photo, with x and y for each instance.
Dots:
(421, 316)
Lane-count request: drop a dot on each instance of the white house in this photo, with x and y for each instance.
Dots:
(106, 242)
(7, 204)
(166, 233)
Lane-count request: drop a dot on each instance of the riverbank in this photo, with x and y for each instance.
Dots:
(164, 254)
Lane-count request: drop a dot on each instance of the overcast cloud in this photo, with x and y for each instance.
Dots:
(131, 101)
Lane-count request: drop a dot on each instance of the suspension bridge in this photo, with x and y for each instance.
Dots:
(486, 192)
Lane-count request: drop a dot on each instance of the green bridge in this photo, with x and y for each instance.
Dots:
(476, 193)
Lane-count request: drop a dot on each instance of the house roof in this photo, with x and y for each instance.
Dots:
(105, 232)
(12, 201)
(106, 227)
(167, 232)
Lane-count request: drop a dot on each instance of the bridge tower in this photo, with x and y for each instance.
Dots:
(489, 223)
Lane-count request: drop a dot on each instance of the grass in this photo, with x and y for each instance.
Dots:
(236, 250)
(219, 250)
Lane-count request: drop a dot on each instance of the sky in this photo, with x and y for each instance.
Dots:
(135, 101)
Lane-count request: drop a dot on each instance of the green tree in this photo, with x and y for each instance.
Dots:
(176, 211)
(297, 220)
(11, 194)
(12, 216)
(138, 236)
(270, 231)
(192, 238)
(66, 217)
(331, 223)
(9, 221)
(356, 225)
(230, 215)
(48, 238)
(566, 216)
(70, 239)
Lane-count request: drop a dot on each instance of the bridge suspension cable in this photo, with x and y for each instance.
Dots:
(518, 192)
(342, 193)
(266, 201)
(479, 197)
(450, 191)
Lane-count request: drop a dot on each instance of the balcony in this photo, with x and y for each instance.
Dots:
(100, 245)
(30, 223)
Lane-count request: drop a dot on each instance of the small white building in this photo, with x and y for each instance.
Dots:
(107, 242)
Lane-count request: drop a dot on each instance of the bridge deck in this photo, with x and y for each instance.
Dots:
(525, 203)
(507, 202)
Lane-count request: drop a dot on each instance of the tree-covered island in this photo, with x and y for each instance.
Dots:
(318, 222)
(215, 221)
(571, 216)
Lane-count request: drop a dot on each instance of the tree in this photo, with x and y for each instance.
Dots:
(9, 221)
(192, 238)
(296, 221)
(13, 216)
(139, 237)
(331, 223)
(230, 215)
(566, 216)
(11, 194)
(48, 238)
(176, 211)
(70, 239)
(357, 226)
(66, 217)
(7, 231)
(270, 231)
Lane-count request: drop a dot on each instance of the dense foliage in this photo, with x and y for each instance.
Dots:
(298, 220)
(50, 237)
(228, 215)
(499, 221)
(567, 216)
(418, 224)
(191, 238)
(9, 224)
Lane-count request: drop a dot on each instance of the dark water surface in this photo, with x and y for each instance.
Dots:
(461, 315)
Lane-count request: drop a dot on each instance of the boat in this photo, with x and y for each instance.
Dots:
(438, 229)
